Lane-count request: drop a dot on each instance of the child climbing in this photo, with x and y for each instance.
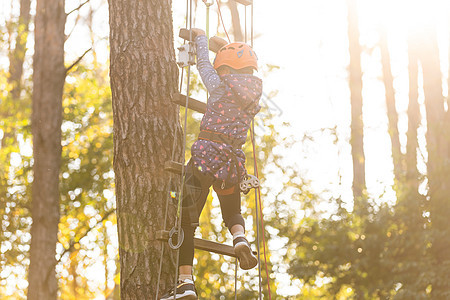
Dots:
(216, 157)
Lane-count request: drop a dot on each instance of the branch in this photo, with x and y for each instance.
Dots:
(73, 28)
(78, 60)
(80, 6)
(72, 244)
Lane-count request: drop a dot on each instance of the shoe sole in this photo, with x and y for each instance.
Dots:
(188, 295)
(245, 255)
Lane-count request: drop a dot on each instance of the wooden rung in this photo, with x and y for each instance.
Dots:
(193, 104)
(201, 244)
(245, 2)
(173, 166)
(210, 246)
(215, 43)
(184, 34)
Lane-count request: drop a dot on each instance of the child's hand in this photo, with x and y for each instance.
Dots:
(196, 32)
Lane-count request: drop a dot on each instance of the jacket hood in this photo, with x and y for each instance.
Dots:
(246, 88)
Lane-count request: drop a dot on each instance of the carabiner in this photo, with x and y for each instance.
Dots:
(180, 239)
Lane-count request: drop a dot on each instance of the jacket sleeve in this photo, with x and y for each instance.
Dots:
(207, 72)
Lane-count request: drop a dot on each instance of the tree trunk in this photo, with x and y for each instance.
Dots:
(409, 208)
(48, 83)
(412, 174)
(17, 56)
(16, 60)
(143, 83)
(236, 22)
(357, 131)
(438, 165)
(390, 106)
(447, 119)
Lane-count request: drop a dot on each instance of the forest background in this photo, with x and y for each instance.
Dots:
(353, 146)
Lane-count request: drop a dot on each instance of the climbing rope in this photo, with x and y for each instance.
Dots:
(221, 19)
(177, 227)
(258, 201)
(258, 189)
(183, 169)
(245, 24)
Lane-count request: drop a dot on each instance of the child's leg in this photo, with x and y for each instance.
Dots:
(230, 204)
(195, 194)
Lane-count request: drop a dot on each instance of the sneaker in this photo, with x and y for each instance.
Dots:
(185, 290)
(247, 260)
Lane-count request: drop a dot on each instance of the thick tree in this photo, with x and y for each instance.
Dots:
(48, 83)
(357, 126)
(438, 164)
(143, 82)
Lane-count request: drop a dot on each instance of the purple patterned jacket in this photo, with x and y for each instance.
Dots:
(232, 105)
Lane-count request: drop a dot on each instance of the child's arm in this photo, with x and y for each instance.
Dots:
(207, 72)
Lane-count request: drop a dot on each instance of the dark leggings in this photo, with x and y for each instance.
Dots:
(195, 193)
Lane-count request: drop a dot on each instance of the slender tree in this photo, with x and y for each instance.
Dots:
(143, 82)
(390, 105)
(448, 85)
(12, 115)
(438, 164)
(16, 60)
(48, 83)
(357, 130)
(412, 174)
(17, 56)
(408, 244)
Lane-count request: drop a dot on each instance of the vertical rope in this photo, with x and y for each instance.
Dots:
(235, 277)
(223, 24)
(258, 192)
(207, 22)
(180, 200)
(245, 23)
(208, 5)
(170, 179)
(257, 221)
(251, 20)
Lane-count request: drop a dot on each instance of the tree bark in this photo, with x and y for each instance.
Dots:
(357, 130)
(143, 83)
(438, 164)
(390, 106)
(48, 83)
(17, 56)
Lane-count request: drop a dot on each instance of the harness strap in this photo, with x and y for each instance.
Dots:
(219, 138)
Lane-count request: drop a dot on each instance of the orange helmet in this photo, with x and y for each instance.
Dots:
(236, 56)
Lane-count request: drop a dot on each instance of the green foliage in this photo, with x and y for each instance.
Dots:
(87, 178)
(384, 254)
(15, 178)
(318, 246)
(86, 184)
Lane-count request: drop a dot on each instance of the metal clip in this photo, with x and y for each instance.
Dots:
(180, 238)
(186, 55)
(248, 183)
